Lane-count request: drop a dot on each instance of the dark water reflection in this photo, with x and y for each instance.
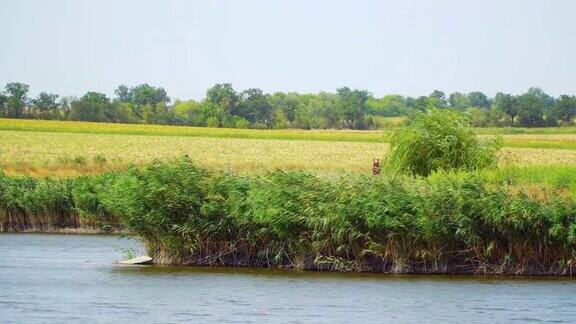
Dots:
(70, 278)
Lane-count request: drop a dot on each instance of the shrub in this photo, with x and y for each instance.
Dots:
(440, 140)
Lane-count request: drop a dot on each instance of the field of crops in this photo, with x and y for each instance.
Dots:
(73, 148)
(556, 137)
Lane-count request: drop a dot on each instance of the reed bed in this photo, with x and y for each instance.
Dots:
(447, 223)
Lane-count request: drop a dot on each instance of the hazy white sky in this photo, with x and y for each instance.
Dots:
(405, 47)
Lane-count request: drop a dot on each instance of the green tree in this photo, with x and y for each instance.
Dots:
(506, 103)
(145, 94)
(440, 139)
(459, 101)
(287, 102)
(387, 106)
(280, 120)
(93, 106)
(352, 106)
(504, 109)
(46, 105)
(16, 100)
(255, 108)
(123, 94)
(3, 100)
(479, 99)
(224, 95)
(86, 111)
(530, 110)
(203, 113)
(14, 108)
(547, 101)
(439, 99)
(17, 90)
(123, 112)
(479, 117)
(95, 97)
(424, 103)
(564, 109)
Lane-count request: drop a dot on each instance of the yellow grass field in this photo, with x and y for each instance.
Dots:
(69, 154)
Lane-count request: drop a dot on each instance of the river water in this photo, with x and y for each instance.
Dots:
(74, 278)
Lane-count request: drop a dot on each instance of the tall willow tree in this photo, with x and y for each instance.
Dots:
(440, 140)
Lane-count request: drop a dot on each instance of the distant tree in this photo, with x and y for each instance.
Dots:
(439, 99)
(530, 110)
(424, 103)
(478, 117)
(498, 118)
(16, 100)
(93, 106)
(203, 113)
(411, 103)
(224, 95)
(323, 110)
(388, 106)
(123, 94)
(547, 101)
(3, 100)
(224, 107)
(123, 112)
(479, 99)
(17, 90)
(506, 103)
(280, 119)
(14, 108)
(307, 115)
(95, 97)
(66, 106)
(459, 101)
(184, 110)
(564, 109)
(145, 94)
(155, 114)
(46, 105)
(504, 110)
(255, 108)
(352, 105)
(86, 111)
(287, 102)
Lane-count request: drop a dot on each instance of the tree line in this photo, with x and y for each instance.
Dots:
(223, 106)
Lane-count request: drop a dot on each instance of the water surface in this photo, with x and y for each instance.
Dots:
(73, 278)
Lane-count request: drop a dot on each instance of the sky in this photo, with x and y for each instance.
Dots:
(402, 47)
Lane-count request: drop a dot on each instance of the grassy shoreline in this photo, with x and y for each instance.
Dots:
(478, 223)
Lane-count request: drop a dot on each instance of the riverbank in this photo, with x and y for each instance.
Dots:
(473, 223)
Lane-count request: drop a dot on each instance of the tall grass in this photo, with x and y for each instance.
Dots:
(295, 219)
(446, 223)
(48, 204)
